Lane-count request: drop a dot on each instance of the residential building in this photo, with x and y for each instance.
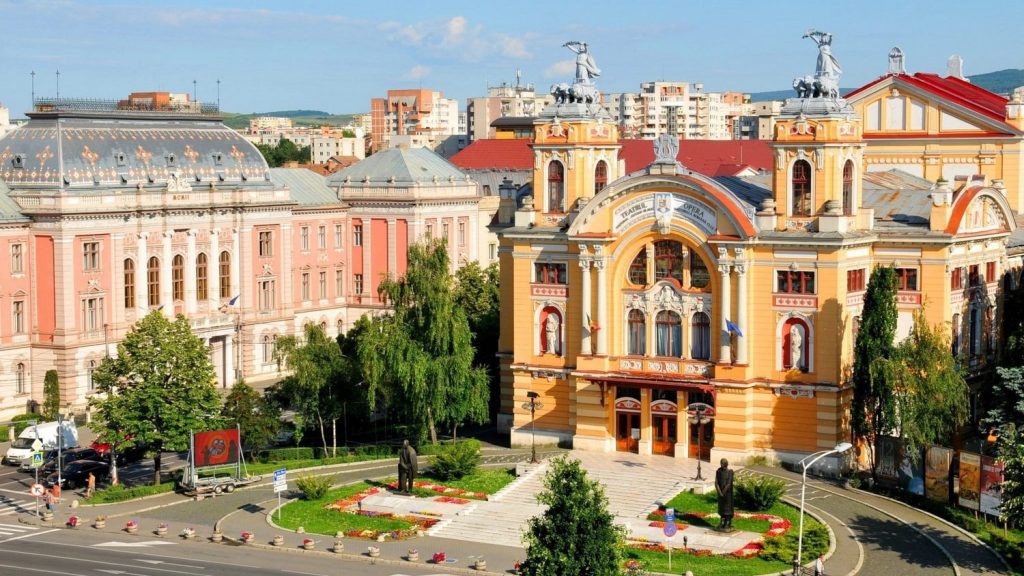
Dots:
(516, 100)
(262, 123)
(678, 108)
(5, 121)
(327, 143)
(416, 113)
(638, 297)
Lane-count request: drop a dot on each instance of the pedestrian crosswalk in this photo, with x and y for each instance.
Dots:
(16, 529)
(9, 506)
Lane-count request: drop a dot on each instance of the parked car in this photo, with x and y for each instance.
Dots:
(125, 455)
(48, 456)
(49, 435)
(76, 473)
(71, 456)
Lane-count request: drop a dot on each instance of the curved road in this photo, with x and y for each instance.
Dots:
(876, 536)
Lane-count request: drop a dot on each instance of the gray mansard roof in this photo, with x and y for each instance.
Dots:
(306, 187)
(83, 150)
(399, 167)
(9, 209)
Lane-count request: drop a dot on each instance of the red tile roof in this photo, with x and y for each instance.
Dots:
(709, 157)
(953, 89)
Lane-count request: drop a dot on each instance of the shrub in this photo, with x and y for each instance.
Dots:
(757, 493)
(20, 422)
(375, 451)
(284, 454)
(758, 460)
(453, 461)
(314, 487)
(783, 548)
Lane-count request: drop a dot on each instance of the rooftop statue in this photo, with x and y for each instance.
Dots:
(582, 90)
(825, 82)
(586, 70)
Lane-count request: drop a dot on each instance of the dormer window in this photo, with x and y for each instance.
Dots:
(18, 161)
(556, 187)
(800, 188)
(172, 161)
(120, 158)
(848, 188)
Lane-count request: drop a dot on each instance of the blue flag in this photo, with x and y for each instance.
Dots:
(234, 300)
(733, 328)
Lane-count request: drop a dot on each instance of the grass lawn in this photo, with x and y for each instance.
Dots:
(316, 519)
(687, 502)
(120, 493)
(483, 480)
(257, 468)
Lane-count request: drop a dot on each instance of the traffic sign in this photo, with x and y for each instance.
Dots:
(280, 474)
(37, 490)
(37, 444)
(37, 459)
(670, 528)
(670, 514)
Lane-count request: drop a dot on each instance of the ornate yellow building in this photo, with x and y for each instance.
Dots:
(628, 298)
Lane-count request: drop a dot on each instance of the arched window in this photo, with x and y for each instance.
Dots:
(89, 373)
(669, 333)
(699, 275)
(637, 333)
(129, 283)
(848, 188)
(668, 260)
(801, 188)
(795, 345)
(600, 176)
(700, 337)
(201, 271)
(556, 187)
(956, 335)
(178, 278)
(225, 274)
(268, 352)
(638, 268)
(153, 281)
(20, 378)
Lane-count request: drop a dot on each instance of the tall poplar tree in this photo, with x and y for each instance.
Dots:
(160, 387)
(420, 357)
(873, 411)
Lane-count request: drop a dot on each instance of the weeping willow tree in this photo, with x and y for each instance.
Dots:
(420, 358)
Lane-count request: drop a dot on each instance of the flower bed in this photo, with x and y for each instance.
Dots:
(445, 490)
(777, 526)
(418, 524)
(451, 500)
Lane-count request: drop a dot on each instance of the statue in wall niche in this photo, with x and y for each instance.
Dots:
(796, 347)
(551, 326)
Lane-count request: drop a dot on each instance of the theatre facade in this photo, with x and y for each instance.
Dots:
(635, 305)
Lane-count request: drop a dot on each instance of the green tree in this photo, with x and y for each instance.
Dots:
(1011, 453)
(257, 418)
(160, 387)
(1008, 398)
(420, 358)
(476, 290)
(51, 396)
(1012, 350)
(928, 389)
(318, 372)
(873, 412)
(576, 535)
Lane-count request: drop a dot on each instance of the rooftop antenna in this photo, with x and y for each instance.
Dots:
(194, 91)
(58, 84)
(519, 75)
(218, 93)
(33, 75)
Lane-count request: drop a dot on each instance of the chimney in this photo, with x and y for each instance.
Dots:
(955, 67)
(942, 205)
(1015, 109)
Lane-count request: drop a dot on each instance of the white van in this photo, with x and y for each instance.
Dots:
(46, 432)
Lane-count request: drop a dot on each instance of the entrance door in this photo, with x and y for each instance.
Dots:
(705, 443)
(664, 434)
(627, 432)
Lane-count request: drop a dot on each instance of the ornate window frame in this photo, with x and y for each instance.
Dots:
(800, 156)
(780, 348)
(538, 326)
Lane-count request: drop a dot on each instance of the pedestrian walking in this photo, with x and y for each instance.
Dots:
(51, 502)
(819, 566)
(56, 493)
(90, 486)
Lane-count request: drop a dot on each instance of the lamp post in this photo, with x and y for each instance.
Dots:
(532, 406)
(804, 465)
(60, 448)
(698, 413)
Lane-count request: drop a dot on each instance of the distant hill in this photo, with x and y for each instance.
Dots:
(1001, 82)
(299, 118)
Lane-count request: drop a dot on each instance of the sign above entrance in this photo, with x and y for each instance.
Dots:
(663, 207)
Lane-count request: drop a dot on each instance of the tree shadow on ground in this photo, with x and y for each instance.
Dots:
(892, 536)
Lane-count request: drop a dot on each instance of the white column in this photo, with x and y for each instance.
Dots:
(724, 354)
(236, 257)
(166, 296)
(585, 320)
(191, 306)
(741, 313)
(602, 307)
(141, 277)
(213, 271)
(229, 361)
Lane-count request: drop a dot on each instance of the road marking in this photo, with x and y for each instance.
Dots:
(119, 572)
(10, 529)
(22, 569)
(28, 535)
(169, 563)
(147, 544)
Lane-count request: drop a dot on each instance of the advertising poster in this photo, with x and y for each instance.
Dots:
(888, 460)
(936, 473)
(912, 474)
(215, 447)
(991, 476)
(970, 480)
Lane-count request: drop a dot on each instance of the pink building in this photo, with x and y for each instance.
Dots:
(106, 214)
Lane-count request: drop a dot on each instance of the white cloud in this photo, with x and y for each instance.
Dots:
(560, 69)
(513, 47)
(455, 31)
(418, 72)
(403, 32)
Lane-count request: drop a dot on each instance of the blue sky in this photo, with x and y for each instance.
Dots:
(335, 56)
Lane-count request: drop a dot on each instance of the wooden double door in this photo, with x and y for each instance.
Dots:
(664, 430)
(627, 431)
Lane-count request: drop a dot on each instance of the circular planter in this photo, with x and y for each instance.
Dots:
(99, 524)
(131, 528)
(161, 530)
(373, 551)
(308, 544)
(480, 564)
(217, 537)
(339, 546)
(248, 538)
(413, 556)
(278, 540)
(189, 534)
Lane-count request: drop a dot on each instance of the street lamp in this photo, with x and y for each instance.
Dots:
(532, 406)
(804, 464)
(697, 413)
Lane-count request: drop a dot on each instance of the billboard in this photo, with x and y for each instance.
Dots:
(912, 474)
(215, 447)
(888, 460)
(970, 480)
(936, 473)
(991, 476)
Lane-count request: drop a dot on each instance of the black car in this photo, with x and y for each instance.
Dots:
(70, 456)
(77, 473)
